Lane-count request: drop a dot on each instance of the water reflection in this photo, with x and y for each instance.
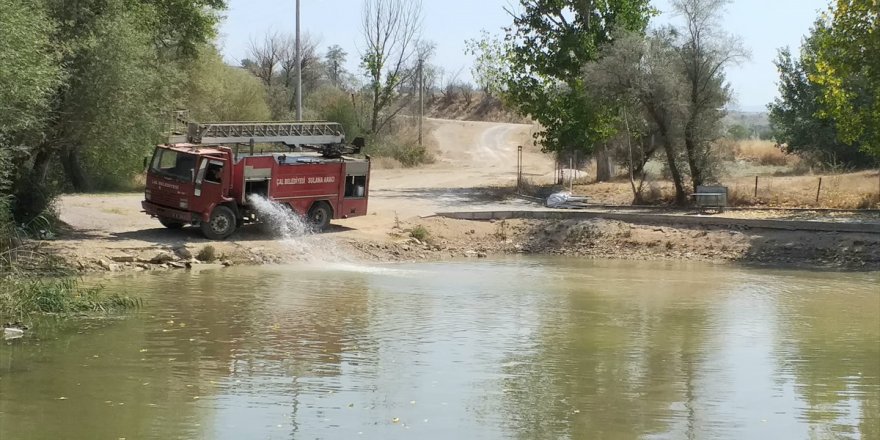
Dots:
(518, 348)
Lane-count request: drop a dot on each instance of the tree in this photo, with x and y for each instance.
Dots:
(334, 62)
(549, 43)
(491, 68)
(121, 61)
(641, 76)
(738, 132)
(391, 30)
(217, 92)
(704, 52)
(797, 116)
(847, 69)
(273, 61)
(29, 76)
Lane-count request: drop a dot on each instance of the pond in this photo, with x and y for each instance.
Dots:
(512, 348)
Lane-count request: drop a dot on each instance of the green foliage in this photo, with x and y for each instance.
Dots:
(30, 71)
(491, 69)
(118, 88)
(332, 104)
(218, 92)
(550, 42)
(21, 296)
(738, 132)
(846, 68)
(798, 118)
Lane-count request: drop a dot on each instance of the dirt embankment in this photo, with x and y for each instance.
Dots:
(445, 239)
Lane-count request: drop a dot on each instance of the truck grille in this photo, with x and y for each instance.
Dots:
(165, 199)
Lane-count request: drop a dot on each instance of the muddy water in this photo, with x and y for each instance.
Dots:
(519, 348)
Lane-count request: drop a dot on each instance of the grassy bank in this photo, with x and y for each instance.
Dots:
(21, 295)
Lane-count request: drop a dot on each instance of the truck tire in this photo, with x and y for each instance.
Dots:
(320, 215)
(169, 223)
(220, 225)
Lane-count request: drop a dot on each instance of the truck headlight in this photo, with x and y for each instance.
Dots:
(184, 204)
(148, 195)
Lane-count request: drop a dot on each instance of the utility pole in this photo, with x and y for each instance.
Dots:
(421, 97)
(299, 111)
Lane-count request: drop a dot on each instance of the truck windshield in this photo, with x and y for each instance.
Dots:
(174, 164)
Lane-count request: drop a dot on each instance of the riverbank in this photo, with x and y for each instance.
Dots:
(432, 239)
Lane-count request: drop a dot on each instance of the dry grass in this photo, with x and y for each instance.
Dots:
(839, 191)
(763, 153)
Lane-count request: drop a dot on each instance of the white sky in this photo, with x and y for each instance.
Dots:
(763, 25)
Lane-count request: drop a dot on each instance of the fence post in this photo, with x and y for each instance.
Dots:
(519, 169)
(818, 191)
(756, 187)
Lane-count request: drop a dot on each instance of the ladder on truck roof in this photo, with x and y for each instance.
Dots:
(288, 133)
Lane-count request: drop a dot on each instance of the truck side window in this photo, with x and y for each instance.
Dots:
(214, 173)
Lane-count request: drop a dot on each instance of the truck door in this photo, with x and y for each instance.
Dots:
(212, 182)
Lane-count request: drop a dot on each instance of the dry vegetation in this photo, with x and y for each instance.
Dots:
(783, 181)
(478, 107)
(763, 153)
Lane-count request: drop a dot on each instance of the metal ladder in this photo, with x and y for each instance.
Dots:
(288, 133)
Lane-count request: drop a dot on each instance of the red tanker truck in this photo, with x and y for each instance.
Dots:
(207, 176)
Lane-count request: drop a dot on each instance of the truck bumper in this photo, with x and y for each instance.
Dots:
(155, 210)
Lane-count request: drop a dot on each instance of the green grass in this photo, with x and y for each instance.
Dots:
(21, 296)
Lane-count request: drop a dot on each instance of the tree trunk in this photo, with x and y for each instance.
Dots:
(40, 170)
(604, 165)
(73, 169)
(690, 146)
(680, 198)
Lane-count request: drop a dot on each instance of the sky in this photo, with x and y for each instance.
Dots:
(763, 25)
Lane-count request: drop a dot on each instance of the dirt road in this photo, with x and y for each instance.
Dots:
(470, 155)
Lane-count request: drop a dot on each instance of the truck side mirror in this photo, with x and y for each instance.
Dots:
(146, 162)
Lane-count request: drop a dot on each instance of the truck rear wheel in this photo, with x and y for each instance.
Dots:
(169, 223)
(320, 215)
(220, 225)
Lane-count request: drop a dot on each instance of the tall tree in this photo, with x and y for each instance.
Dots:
(491, 69)
(29, 76)
(848, 70)
(797, 116)
(550, 42)
(704, 53)
(391, 30)
(121, 59)
(273, 60)
(334, 61)
(643, 73)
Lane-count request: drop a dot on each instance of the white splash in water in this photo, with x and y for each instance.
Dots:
(295, 232)
(279, 218)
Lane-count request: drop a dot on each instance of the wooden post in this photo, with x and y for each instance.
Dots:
(818, 191)
(421, 82)
(756, 187)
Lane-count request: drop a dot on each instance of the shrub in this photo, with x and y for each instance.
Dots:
(207, 254)
(420, 233)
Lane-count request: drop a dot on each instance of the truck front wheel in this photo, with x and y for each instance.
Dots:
(220, 225)
(320, 215)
